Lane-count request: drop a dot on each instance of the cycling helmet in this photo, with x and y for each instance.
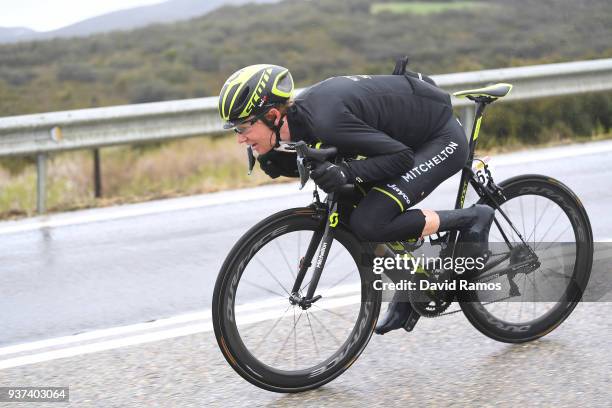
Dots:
(252, 91)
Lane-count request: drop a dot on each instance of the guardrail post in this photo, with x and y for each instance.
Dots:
(41, 183)
(97, 174)
(467, 119)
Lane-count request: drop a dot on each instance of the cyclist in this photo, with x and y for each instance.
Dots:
(399, 130)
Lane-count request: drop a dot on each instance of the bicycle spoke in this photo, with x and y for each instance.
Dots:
(538, 222)
(564, 276)
(271, 274)
(294, 340)
(550, 231)
(287, 338)
(285, 258)
(314, 340)
(551, 225)
(505, 312)
(264, 288)
(263, 339)
(514, 230)
(535, 292)
(334, 285)
(334, 313)
(546, 277)
(299, 250)
(306, 285)
(326, 329)
(522, 214)
(523, 292)
(342, 279)
(333, 258)
(556, 238)
(535, 210)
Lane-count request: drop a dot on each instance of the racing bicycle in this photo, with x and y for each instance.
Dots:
(295, 303)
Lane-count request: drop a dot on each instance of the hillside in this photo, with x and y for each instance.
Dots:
(128, 19)
(315, 39)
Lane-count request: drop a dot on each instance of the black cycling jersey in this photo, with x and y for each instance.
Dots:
(382, 117)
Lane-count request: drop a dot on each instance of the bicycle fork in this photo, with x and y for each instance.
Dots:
(323, 241)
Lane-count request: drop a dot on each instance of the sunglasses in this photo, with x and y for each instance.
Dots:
(245, 125)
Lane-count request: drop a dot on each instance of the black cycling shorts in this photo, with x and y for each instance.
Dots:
(435, 161)
(382, 214)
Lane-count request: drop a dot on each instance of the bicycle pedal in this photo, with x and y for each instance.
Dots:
(413, 244)
(441, 238)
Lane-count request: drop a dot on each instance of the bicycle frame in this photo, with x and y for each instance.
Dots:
(323, 239)
(467, 176)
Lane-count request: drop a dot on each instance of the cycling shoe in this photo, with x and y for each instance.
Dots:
(399, 314)
(473, 241)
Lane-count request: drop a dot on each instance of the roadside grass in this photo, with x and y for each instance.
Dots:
(423, 8)
(172, 169)
(131, 174)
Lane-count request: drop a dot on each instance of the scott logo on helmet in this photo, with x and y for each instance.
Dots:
(261, 85)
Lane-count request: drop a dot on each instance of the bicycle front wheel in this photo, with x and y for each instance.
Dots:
(278, 345)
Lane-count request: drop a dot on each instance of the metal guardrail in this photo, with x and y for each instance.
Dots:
(45, 133)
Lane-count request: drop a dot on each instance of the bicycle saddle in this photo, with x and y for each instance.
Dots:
(493, 91)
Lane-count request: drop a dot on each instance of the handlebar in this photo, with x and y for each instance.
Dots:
(306, 154)
(319, 155)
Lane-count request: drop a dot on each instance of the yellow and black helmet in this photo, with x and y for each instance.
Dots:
(252, 91)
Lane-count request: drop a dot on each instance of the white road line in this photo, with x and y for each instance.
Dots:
(148, 208)
(98, 334)
(104, 345)
(198, 323)
(249, 194)
(553, 153)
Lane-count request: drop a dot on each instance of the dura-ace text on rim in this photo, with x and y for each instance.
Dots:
(514, 332)
(228, 334)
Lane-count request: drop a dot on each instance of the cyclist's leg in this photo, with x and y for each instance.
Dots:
(384, 214)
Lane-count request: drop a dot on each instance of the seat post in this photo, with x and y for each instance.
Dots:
(480, 108)
(465, 174)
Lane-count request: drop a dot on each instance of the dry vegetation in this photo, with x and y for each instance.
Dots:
(131, 174)
(134, 174)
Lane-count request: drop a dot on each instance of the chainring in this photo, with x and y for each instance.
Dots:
(430, 303)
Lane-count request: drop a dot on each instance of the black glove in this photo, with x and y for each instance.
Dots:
(330, 177)
(276, 164)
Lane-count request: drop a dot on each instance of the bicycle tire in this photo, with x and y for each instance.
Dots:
(516, 332)
(228, 335)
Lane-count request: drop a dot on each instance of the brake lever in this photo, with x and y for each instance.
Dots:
(251, 157)
(303, 165)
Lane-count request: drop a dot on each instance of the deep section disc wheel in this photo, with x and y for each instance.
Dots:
(273, 341)
(550, 266)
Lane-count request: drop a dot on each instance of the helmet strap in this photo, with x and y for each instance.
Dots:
(275, 128)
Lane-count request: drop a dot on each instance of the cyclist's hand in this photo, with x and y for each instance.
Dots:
(276, 164)
(330, 177)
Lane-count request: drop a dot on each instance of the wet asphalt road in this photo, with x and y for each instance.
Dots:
(444, 362)
(76, 278)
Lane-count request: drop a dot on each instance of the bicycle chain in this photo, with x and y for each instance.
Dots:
(490, 278)
(443, 313)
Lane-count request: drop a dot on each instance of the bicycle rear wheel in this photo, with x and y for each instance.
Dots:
(556, 228)
(269, 341)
